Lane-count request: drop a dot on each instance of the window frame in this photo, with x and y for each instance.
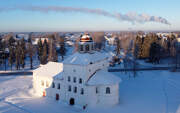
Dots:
(108, 90)
(59, 86)
(75, 89)
(53, 85)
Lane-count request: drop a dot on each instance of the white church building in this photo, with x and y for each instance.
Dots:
(82, 79)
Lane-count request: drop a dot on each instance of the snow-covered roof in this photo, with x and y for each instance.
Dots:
(51, 69)
(86, 58)
(102, 77)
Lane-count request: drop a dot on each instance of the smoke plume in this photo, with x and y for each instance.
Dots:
(130, 17)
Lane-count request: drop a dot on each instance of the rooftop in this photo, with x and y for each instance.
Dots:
(86, 58)
(51, 69)
(102, 77)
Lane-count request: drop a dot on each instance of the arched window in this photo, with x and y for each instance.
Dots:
(42, 83)
(80, 81)
(53, 85)
(75, 89)
(69, 78)
(82, 91)
(96, 90)
(47, 84)
(69, 88)
(87, 47)
(74, 79)
(108, 90)
(58, 86)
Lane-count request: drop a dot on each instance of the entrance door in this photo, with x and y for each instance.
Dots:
(57, 96)
(71, 101)
(44, 93)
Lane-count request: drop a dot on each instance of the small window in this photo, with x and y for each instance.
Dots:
(80, 81)
(69, 88)
(42, 83)
(75, 89)
(47, 84)
(58, 86)
(87, 47)
(89, 70)
(108, 90)
(81, 47)
(74, 79)
(82, 91)
(69, 78)
(53, 85)
(96, 90)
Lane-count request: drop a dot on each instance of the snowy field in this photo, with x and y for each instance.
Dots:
(149, 92)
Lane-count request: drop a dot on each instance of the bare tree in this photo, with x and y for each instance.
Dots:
(52, 56)
(31, 52)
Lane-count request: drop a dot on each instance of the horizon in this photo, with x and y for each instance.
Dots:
(77, 16)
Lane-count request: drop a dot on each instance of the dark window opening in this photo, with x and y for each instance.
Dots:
(58, 86)
(74, 79)
(53, 85)
(69, 88)
(82, 91)
(108, 90)
(80, 81)
(96, 90)
(75, 89)
(69, 78)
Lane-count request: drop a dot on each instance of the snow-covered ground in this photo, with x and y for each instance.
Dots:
(149, 92)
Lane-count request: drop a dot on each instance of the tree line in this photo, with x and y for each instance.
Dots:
(15, 52)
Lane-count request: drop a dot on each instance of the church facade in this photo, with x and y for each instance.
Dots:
(82, 79)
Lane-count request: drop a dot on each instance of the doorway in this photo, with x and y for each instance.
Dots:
(44, 93)
(57, 96)
(71, 101)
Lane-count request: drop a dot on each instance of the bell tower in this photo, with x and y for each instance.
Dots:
(86, 44)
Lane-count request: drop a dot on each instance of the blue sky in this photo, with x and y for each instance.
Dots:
(26, 21)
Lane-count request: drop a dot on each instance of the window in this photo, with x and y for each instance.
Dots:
(69, 78)
(82, 91)
(74, 79)
(87, 47)
(75, 89)
(92, 47)
(53, 85)
(42, 83)
(58, 86)
(108, 90)
(69, 88)
(89, 70)
(81, 47)
(74, 70)
(80, 81)
(47, 84)
(96, 90)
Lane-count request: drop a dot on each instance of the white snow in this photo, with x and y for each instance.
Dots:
(102, 77)
(149, 92)
(50, 69)
(85, 58)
